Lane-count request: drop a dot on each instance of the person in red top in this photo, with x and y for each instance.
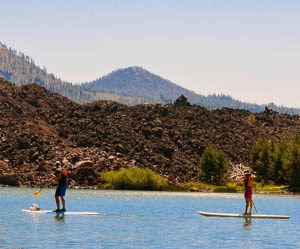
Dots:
(61, 176)
(248, 183)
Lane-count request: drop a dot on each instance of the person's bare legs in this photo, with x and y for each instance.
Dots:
(63, 202)
(57, 202)
(248, 205)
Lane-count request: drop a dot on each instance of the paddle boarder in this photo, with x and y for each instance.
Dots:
(248, 183)
(61, 176)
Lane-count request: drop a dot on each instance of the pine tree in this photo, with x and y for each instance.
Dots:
(261, 158)
(214, 166)
(294, 165)
(281, 159)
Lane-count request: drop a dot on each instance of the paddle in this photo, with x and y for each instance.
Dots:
(37, 192)
(254, 206)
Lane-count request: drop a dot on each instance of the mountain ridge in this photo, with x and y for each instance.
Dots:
(130, 86)
(20, 69)
(134, 77)
(137, 81)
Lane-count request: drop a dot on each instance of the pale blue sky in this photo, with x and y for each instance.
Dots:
(247, 49)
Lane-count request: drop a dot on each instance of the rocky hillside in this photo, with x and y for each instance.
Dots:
(38, 127)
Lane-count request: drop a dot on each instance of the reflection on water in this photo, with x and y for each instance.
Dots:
(247, 223)
(60, 217)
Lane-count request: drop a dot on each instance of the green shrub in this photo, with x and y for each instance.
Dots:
(135, 179)
(225, 189)
(189, 186)
(269, 188)
(108, 186)
(193, 187)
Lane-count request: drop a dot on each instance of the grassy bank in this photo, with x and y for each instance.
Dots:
(145, 179)
(232, 187)
(260, 188)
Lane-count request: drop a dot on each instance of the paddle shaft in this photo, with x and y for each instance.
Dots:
(254, 206)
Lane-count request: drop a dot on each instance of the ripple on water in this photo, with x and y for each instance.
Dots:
(137, 219)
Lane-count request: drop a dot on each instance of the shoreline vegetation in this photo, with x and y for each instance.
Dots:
(145, 179)
(267, 189)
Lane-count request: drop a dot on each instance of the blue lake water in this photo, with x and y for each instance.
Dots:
(133, 219)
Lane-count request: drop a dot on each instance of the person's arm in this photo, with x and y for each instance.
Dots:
(52, 177)
(243, 181)
(251, 180)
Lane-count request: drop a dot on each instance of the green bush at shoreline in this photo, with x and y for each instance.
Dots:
(134, 179)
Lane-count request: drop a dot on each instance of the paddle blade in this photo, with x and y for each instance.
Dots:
(37, 193)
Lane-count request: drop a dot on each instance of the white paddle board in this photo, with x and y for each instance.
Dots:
(66, 213)
(261, 216)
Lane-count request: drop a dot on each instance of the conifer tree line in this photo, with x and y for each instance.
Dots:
(273, 162)
(21, 69)
(277, 162)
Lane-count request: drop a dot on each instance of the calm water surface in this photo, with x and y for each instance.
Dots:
(145, 220)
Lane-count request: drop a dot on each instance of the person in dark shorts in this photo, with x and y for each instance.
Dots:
(248, 183)
(61, 176)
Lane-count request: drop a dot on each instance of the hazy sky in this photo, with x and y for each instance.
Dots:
(247, 49)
